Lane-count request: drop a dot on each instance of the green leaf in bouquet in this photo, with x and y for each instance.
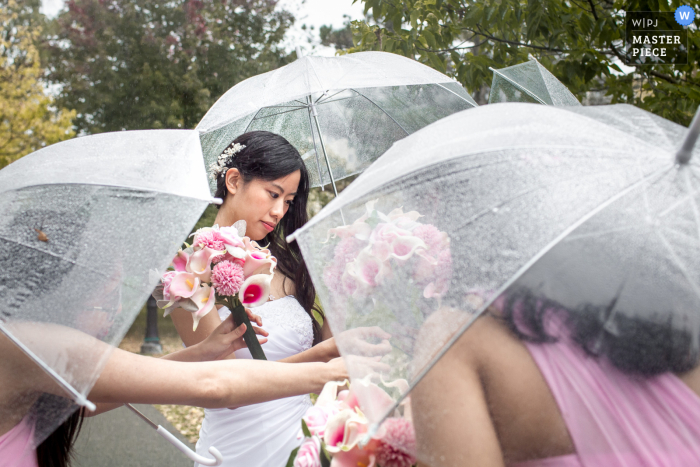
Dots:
(305, 429)
(292, 456)
(325, 456)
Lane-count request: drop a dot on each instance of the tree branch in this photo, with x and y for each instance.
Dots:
(664, 76)
(506, 41)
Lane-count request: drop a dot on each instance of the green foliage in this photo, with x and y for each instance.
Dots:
(305, 429)
(341, 38)
(292, 456)
(133, 64)
(581, 42)
(29, 119)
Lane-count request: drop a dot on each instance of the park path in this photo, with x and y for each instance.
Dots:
(121, 439)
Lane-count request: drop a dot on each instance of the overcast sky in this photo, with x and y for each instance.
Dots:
(314, 13)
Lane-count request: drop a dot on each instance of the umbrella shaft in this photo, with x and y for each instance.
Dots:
(323, 148)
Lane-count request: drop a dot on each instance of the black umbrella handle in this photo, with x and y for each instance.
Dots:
(250, 338)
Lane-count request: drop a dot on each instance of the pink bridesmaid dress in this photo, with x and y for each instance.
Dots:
(616, 420)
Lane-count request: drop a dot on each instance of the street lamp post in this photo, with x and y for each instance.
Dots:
(151, 343)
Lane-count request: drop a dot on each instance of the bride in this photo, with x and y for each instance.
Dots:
(264, 182)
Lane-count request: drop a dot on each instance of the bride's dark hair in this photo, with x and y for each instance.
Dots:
(268, 156)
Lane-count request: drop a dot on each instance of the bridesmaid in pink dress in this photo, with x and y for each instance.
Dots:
(533, 385)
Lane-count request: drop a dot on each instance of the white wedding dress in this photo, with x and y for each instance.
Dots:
(263, 435)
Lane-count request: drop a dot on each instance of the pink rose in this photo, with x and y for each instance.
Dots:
(308, 455)
(317, 417)
(167, 279)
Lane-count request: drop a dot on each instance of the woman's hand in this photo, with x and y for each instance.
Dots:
(336, 370)
(226, 339)
(367, 342)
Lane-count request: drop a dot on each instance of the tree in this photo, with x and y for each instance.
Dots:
(132, 64)
(341, 38)
(28, 117)
(580, 41)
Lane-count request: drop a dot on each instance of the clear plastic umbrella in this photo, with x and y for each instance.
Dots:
(453, 215)
(529, 82)
(82, 223)
(341, 113)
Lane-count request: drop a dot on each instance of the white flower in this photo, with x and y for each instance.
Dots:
(220, 166)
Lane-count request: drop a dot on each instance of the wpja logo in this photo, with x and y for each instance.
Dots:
(655, 37)
(684, 15)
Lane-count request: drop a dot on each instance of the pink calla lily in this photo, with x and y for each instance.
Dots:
(356, 457)
(374, 399)
(200, 263)
(180, 261)
(255, 291)
(183, 285)
(255, 260)
(344, 430)
(205, 299)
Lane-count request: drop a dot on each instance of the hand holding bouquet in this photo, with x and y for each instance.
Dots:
(222, 266)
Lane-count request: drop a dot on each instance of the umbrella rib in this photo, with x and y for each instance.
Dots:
(522, 88)
(50, 253)
(694, 205)
(295, 109)
(678, 262)
(451, 91)
(106, 185)
(247, 127)
(510, 282)
(692, 241)
(380, 108)
(329, 97)
(77, 396)
(336, 100)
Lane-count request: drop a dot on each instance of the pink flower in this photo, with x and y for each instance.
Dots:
(205, 300)
(227, 277)
(346, 250)
(167, 279)
(180, 261)
(332, 276)
(200, 263)
(183, 285)
(255, 291)
(397, 446)
(308, 454)
(209, 239)
(317, 417)
(432, 237)
(255, 260)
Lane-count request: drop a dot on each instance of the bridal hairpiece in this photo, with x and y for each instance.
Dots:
(221, 164)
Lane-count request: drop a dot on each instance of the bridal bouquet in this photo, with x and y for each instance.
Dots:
(222, 266)
(380, 250)
(335, 431)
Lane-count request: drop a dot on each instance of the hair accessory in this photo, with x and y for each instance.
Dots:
(221, 164)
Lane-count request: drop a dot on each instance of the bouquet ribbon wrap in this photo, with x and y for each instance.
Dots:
(251, 340)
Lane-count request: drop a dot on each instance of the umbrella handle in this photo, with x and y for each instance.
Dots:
(217, 460)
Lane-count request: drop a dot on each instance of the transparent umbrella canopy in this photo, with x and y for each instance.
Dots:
(341, 113)
(86, 228)
(529, 82)
(598, 201)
